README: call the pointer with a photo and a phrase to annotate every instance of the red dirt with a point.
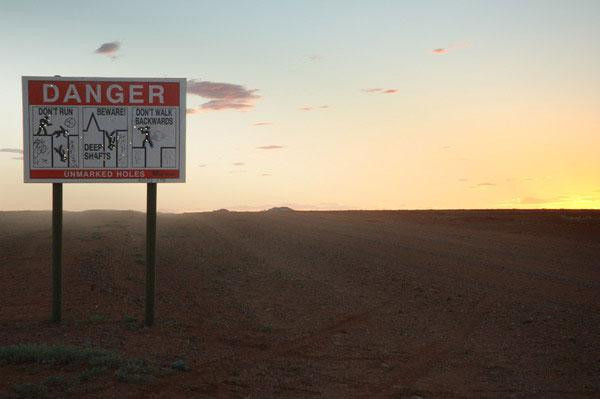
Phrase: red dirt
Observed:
(334, 304)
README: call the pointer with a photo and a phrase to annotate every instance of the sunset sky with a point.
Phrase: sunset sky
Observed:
(334, 104)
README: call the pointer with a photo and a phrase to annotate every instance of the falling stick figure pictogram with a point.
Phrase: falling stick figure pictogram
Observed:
(44, 122)
(145, 130)
(61, 132)
(62, 152)
(112, 139)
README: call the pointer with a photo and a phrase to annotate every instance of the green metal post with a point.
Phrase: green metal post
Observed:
(150, 252)
(57, 214)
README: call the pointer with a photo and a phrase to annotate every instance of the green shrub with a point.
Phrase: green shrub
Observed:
(55, 381)
(31, 391)
(266, 328)
(97, 318)
(131, 323)
(55, 355)
(92, 373)
(134, 371)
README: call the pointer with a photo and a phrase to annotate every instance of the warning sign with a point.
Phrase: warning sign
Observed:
(103, 129)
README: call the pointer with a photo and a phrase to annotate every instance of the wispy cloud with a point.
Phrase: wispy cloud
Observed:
(238, 163)
(483, 185)
(265, 174)
(380, 91)
(222, 95)
(315, 57)
(191, 111)
(269, 147)
(261, 123)
(17, 158)
(446, 50)
(109, 49)
(202, 165)
(12, 150)
(312, 108)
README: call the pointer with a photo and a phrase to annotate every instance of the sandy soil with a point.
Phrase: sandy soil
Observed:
(332, 304)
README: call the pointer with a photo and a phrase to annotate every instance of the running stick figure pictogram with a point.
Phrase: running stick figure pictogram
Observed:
(44, 122)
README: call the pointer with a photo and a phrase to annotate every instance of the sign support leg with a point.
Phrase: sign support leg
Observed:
(57, 215)
(150, 252)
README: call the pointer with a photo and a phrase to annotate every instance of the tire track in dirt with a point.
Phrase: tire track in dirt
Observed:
(411, 372)
(291, 346)
(425, 361)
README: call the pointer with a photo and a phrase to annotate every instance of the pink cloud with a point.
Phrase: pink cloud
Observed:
(109, 49)
(446, 50)
(485, 184)
(12, 150)
(312, 108)
(222, 95)
(261, 123)
(218, 105)
(269, 147)
(381, 91)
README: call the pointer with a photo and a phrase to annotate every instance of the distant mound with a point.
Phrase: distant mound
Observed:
(280, 209)
(222, 210)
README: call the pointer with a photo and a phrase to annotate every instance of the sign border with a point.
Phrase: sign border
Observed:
(26, 129)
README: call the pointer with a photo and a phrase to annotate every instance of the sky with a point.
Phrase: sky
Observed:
(333, 104)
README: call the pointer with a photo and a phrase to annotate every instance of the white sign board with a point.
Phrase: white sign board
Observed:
(103, 130)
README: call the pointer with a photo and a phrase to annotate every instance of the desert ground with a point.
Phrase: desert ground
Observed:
(281, 304)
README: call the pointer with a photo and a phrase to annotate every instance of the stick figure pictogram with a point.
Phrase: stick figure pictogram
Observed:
(112, 139)
(61, 132)
(44, 122)
(62, 152)
(145, 130)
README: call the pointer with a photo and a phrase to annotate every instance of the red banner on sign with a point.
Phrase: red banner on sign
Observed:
(104, 174)
(63, 92)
